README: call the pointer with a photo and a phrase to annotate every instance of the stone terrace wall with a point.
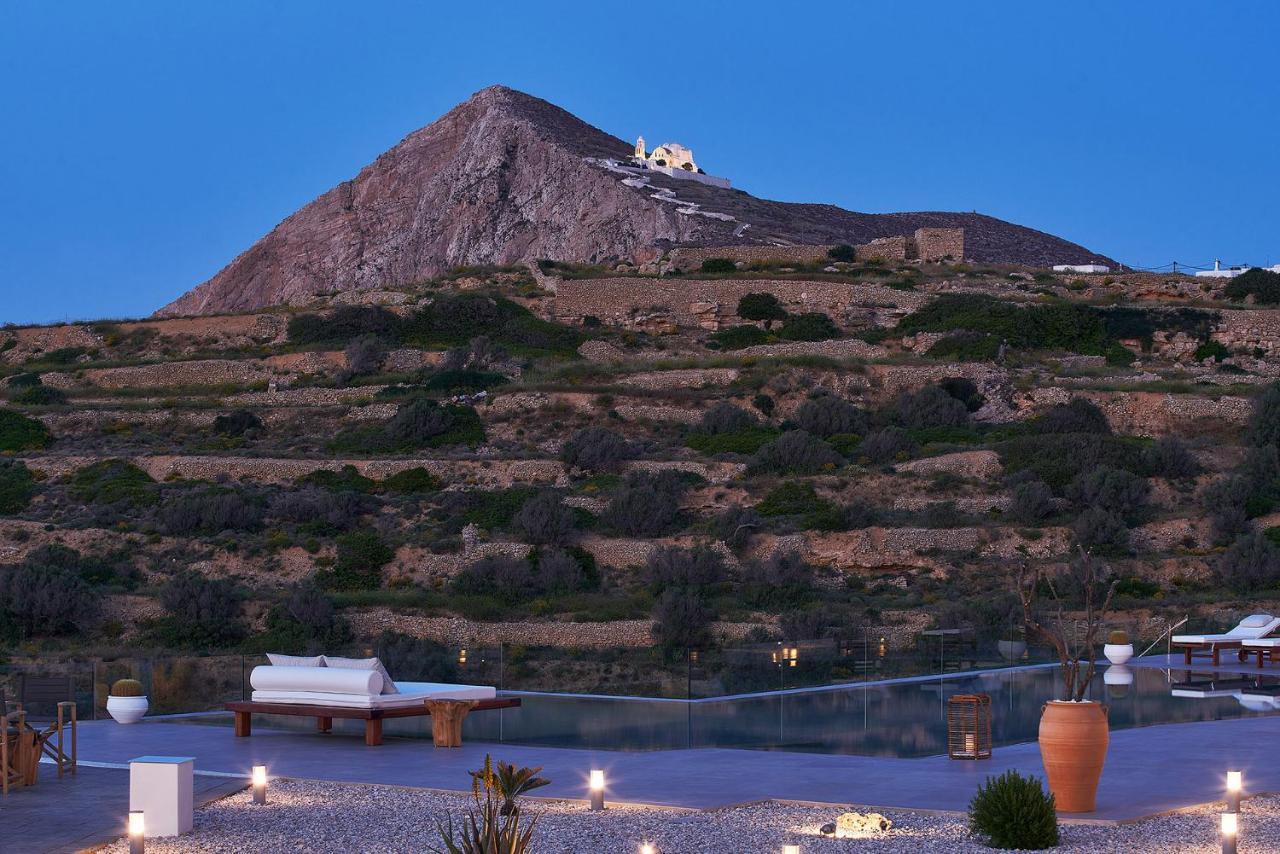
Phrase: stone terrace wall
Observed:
(709, 304)
(1246, 330)
(883, 249)
(205, 372)
(691, 258)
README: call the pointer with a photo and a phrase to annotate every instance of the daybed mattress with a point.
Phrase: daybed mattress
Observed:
(1209, 638)
(1262, 643)
(1202, 693)
(410, 694)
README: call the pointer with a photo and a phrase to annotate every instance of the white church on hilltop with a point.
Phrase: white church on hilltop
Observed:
(672, 158)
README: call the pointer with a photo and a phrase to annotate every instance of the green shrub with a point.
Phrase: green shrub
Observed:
(1264, 424)
(1014, 812)
(796, 452)
(1212, 350)
(843, 252)
(29, 379)
(239, 423)
(1262, 285)
(718, 265)
(890, 445)
(596, 449)
(346, 479)
(211, 510)
(1066, 326)
(966, 347)
(464, 380)
(791, 498)
(413, 659)
(813, 326)
(17, 486)
(43, 600)
(1058, 459)
(203, 612)
(39, 395)
(724, 417)
(454, 319)
(113, 481)
(361, 556)
(931, 407)
(63, 355)
(494, 510)
(1138, 588)
(414, 481)
(544, 520)
(1102, 532)
(764, 403)
(741, 442)
(682, 619)
(345, 324)
(1251, 565)
(761, 306)
(20, 433)
(826, 415)
(737, 337)
(423, 423)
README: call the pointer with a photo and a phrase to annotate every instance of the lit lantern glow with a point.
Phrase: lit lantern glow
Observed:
(137, 832)
(791, 849)
(596, 785)
(1235, 781)
(646, 848)
(259, 780)
(1230, 824)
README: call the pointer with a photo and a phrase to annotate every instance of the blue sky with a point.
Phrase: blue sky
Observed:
(144, 144)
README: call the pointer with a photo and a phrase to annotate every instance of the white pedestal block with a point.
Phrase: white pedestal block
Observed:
(161, 786)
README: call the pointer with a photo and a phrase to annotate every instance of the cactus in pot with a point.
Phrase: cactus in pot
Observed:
(127, 702)
(1118, 650)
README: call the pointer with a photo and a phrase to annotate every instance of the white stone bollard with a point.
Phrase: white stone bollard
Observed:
(161, 786)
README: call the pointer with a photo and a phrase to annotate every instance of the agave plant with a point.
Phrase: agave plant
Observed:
(511, 782)
(489, 828)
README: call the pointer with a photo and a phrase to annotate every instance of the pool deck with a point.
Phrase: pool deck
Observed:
(1149, 770)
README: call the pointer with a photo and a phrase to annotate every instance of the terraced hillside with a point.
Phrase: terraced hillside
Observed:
(810, 455)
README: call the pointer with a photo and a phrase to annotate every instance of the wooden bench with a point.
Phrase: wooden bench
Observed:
(324, 715)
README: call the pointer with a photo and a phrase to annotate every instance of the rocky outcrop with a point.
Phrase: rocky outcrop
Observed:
(505, 177)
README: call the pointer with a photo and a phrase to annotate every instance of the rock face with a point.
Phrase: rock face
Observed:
(506, 176)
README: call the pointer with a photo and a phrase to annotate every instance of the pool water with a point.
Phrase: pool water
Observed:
(899, 718)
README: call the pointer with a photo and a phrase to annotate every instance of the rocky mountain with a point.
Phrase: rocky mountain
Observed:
(506, 176)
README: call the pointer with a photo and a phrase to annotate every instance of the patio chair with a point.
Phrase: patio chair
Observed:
(1252, 627)
(11, 727)
(53, 730)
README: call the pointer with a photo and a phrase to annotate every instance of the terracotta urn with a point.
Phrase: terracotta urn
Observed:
(1073, 747)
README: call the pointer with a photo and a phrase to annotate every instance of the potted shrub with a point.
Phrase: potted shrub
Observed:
(1118, 649)
(1012, 646)
(126, 702)
(1073, 731)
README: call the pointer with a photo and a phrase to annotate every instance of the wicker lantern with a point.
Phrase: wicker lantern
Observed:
(969, 726)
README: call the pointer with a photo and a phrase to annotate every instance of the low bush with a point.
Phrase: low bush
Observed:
(1031, 503)
(1114, 490)
(782, 580)
(1059, 325)
(110, 482)
(305, 623)
(764, 403)
(321, 511)
(1262, 285)
(414, 481)
(345, 479)
(1014, 812)
(345, 324)
(1058, 459)
(738, 337)
(203, 612)
(791, 498)
(644, 507)
(17, 486)
(966, 347)
(718, 265)
(671, 566)
(736, 525)
(843, 252)
(1264, 423)
(827, 415)
(890, 445)
(358, 566)
(682, 619)
(20, 433)
(240, 423)
(544, 520)
(29, 379)
(964, 390)
(796, 452)
(743, 442)
(424, 423)
(39, 600)
(366, 354)
(1169, 457)
(1251, 565)
(507, 578)
(111, 569)
(1212, 350)
(724, 417)
(464, 380)
(207, 511)
(1078, 416)
(596, 449)
(1101, 532)
(931, 407)
(813, 326)
(761, 307)
(40, 395)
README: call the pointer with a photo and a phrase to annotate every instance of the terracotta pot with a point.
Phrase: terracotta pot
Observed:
(1073, 746)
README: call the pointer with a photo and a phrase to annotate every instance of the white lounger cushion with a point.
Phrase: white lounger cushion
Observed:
(1258, 626)
(295, 660)
(388, 687)
(408, 694)
(328, 680)
(1261, 643)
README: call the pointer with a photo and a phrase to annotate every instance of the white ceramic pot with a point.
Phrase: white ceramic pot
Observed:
(127, 710)
(1012, 650)
(1118, 653)
(1118, 675)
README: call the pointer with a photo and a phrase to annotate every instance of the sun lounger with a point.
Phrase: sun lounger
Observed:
(1253, 627)
(326, 693)
(1262, 648)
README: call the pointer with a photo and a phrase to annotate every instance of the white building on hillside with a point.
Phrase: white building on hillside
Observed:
(1081, 268)
(1221, 272)
(672, 158)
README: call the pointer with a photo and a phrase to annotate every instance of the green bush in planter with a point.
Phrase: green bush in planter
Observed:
(1013, 811)
(1118, 637)
(127, 688)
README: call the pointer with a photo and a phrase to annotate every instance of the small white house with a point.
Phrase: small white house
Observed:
(1081, 268)
(1221, 272)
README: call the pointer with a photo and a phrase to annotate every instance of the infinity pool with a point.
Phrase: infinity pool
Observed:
(898, 718)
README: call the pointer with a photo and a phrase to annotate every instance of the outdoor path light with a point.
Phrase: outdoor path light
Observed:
(1234, 784)
(597, 789)
(259, 784)
(1230, 826)
(137, 832)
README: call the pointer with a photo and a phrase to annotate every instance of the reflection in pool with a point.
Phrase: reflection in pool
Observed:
(901, 718)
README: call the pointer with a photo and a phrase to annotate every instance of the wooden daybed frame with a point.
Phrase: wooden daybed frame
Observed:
(1212, 649)
(324, 715)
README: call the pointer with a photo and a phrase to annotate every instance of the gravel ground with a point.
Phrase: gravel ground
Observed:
(310, 816)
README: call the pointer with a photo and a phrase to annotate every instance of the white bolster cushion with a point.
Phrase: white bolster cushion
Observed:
(323, 679)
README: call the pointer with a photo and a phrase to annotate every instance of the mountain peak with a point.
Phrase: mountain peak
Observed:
(506, 176)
